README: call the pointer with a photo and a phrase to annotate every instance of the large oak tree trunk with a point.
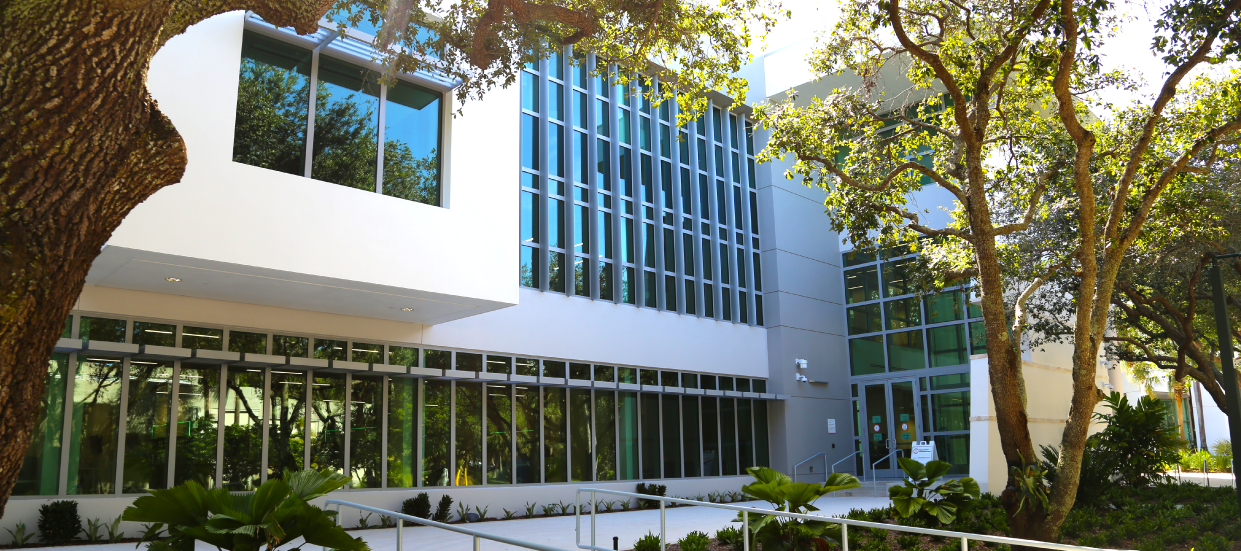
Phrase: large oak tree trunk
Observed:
(81, 144)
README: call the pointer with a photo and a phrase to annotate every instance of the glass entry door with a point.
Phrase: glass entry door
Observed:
(892, 420)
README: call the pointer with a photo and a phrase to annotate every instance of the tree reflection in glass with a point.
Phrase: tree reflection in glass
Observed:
(411, 163)
(499, 433)
(436, 434)
(286, 435)
(273, 99)
(243, 427)
(529, 461)
(469, 468)
(96, 417)
(198, 402)
(402, 431)
(366, 404)
(327, 422)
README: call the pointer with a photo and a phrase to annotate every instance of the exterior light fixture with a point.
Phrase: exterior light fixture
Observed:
(172, 279)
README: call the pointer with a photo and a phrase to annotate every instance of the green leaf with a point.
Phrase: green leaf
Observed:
(767, 475)
(936, 469)
(913, 469)
(839, 481)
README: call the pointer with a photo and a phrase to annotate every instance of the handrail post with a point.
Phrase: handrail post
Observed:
(577, 517)
(400, 534)
(965, 544)
(745, 531)
(478, 543)
(844, 537)
(663, 525)
(593, 506)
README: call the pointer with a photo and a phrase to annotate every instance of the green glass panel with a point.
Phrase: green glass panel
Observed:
(649, 377)
(948, 346)
(198, 408)
(944, 307)
(945, 382)
(728, 429)
(710, 437)
(146, 426)
(954, 449)
(400, 355)
(555, 454)
(978, 338)
(155, 334)
(326, 349)
(951, 411)
(437, 359)
(436, 432)
(709, 382)
(402, 431)
(499, 364)
(745, 433)
(411, 166)
(243, 426)
(726, 383)
(649, 404)
(627, 375)
(346, 144)
(327, 422)
(249, 343)
(68, 330)
(101, 329)
(499, 434)
(40, 470)
(864, 319)
(906, 351)
(902, 313)
(762, 444)
(366, 353)
(295, 347)
(672, 435)
(529, 460)
(365, 431)
(286, 435)
(670, 378)
(689, 380)
(273, 99)
(467, 361)
(96, 424)
(691, 435)
(579, 371)
(527, 367)
(896, 279)
(202, 338)
(605, 373)
(553, 369)
(627, 435)
(605, 435)
(468, 470)
(580, 444)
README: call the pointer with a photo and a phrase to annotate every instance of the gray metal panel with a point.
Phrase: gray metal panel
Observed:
(163, 352)
(68, 345)
(493, 376)
(426, 372)
(459, 374)
(578, 382)
(695, 391)
(111, 348)
(523, 378)
(260, 360)
(674, 390)
(213, 357)
(710, 392)
(307, 363)
(342, 365)
(551, 380)
(628, 386)
(388, 368)
(651, 388)
(604, 384)
(750, 394)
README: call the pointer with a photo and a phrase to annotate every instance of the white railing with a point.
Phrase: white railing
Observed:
(843, 522)
(477, 535)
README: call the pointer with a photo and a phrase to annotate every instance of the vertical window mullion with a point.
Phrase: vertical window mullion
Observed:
(219, 426)
(173, 402)
(383, 433)
(348, 403)
(379, 147)
(120, 432)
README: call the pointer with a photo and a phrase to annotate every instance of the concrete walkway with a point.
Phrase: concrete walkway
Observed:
(1213, 480)
(558, 531)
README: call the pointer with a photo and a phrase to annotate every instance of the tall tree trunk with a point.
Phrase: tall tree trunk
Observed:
(81, 144)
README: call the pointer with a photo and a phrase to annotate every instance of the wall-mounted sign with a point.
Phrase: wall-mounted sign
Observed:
(831, 426)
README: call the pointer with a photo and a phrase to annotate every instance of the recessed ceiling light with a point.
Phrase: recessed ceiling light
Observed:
(407, 309)
(172, 279)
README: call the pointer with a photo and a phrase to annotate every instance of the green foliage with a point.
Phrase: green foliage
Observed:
(1137, 442)
(463, 512)
(417, 506)
(1193, 461)
(93, 525)
(443, 509)
(59, 522)
(731, 536)
(625, 504)
(649, 542)
(1095, 476)
(482, 512)
(114, 530)
(276, 512)
(19, 535)
(530, 508)
(695, 541)
(386, 521)
(1031, 491)
(1221, 456)
(509, 515)
(784, 534)
(364, 521)
(645, 489)
(920, 497)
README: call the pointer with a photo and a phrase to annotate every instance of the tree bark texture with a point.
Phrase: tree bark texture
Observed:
(81, 144)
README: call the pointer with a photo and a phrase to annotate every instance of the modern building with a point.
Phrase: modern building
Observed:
(550, 288)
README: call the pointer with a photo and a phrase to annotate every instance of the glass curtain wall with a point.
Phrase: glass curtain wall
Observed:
(40, 471)
(365, 431)
(499, 434)
(96, 425)
(605, 435)
(243, 427)
(555, 436)
(468, 470)
(197, 430)
(402, 452)
(436, 432)
(581, 438)
(287, 426)
(649, 411)
(529, 454)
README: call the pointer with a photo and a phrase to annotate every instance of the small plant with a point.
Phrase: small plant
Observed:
(419, 506)
(152, 531)
(463, 512)
(735, 496)
(1221, 456)
(364, 521)
(530, 508)
(59, 522)
(20, 537)
(509, 515)
(92, 529)
(649, 542)
(1212, 542)
(651, 490)
(918, 498)
(567, 508)
(443, 509)
(695, 541)
(386, 521)
(714, 497)
(114, 533)
(699, 497)
(550, 509)
(625, 504)
(908, 541)
(482, 513)
(731, 536)
(778, 489)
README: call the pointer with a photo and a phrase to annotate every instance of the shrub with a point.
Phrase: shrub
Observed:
(443, 509)
(1095, 478)
(778, 489)
(418, 506)
(1193, 461)
(918, 498)
(649, 542)
(59, 522)
(731, 536)
(1221, 456)
(650, 490)
(1137, 441)
(1212, 542)
(695, 541)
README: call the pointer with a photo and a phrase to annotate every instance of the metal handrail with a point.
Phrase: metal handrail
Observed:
(809, 459)
(874, 476)
(478, 535)
(845, 459)
(843, 522)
